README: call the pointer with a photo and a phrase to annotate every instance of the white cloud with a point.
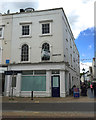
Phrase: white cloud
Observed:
(83, 55)
(85, 65)
(80, 13)
(90, 46)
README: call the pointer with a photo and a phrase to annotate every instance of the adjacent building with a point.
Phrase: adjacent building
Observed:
(39, 51)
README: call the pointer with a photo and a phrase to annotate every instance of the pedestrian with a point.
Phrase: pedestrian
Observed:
(84, 90)
(91, 86)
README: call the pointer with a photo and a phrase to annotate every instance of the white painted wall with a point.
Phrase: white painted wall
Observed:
(7, 37)
(36, 40)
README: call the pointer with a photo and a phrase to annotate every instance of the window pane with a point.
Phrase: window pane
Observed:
(55, 82)
(45, 28)
(45, 51)
(33, 83)
(25, 30)
(45, 47)
(25, 53)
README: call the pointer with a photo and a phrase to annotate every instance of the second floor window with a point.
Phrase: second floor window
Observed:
(45, 28)
(25, 30)
(25, 53)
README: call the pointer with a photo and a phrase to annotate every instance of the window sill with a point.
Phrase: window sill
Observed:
(24, 61)
(43, 35)
(44, 61)
(26, 36)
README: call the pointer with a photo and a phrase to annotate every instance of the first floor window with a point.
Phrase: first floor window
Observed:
(45, 51)
(25, 30)
(25, 53)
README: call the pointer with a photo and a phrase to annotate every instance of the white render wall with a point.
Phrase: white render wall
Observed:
(6, 23)
(35, 40)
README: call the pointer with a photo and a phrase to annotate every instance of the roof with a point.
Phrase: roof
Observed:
(33, 11)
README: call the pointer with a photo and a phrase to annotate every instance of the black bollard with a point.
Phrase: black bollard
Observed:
(31, 95)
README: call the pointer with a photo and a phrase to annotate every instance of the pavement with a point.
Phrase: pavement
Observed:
(48, 99)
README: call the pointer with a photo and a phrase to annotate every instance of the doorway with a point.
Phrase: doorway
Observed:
(55, 85)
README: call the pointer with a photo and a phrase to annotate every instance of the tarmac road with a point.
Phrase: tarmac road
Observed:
(54, 107)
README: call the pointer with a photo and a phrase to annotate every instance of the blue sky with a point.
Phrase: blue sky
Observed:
(85, 44)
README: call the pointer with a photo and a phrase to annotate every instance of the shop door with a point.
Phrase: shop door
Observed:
(55, 86)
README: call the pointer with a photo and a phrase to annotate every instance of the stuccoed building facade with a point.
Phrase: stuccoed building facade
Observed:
(43, 56)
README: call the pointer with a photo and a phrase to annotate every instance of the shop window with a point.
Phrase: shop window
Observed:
(33, 83)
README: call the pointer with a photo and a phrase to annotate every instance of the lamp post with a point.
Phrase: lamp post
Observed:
(83, 74)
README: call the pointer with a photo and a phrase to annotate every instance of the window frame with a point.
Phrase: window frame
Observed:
(50, 27)
(24, 32)
(22, 61)
(2, 32)
(45, 51)
(45, 28)
(30, 29)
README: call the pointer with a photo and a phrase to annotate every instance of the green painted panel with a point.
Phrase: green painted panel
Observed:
(33, 83)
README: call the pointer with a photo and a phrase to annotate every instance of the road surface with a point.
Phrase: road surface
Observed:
(60, 107)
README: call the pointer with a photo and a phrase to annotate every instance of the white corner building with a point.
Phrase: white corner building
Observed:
(40, 53)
